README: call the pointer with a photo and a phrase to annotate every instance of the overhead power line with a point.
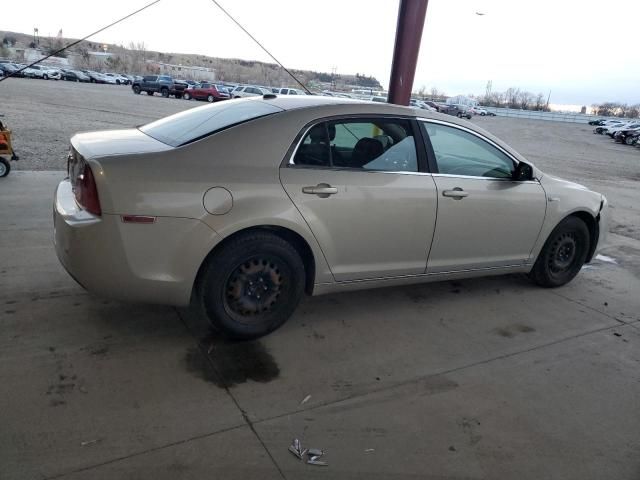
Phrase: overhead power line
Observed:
(81, 40)
(261, 46)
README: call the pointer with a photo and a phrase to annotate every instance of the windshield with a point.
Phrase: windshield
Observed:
(193, 124)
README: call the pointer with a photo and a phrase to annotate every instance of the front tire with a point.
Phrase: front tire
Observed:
(252, 285)
(186, 96)
(136, 89)
(210, 99)
(164, 92)
(5, 167)
(563, 254)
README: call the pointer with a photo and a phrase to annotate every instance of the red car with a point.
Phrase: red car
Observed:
(206, 91)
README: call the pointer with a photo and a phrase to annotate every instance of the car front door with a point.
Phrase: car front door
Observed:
(358, 184)
(486, 219)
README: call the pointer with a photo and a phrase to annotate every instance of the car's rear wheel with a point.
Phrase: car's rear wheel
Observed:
(186, 96)
(252, 285)
(164, 92)
(629, 140)
(563, 254)
(5, 167)
(210, 99)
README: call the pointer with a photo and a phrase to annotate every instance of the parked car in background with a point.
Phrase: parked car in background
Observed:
(118, 79)
(10, 69)
(478, 111)
(627, 135)
(162, 84)
(596, 122)
(249, 91)
(277, 196)
(95, 77)
(41, 71)
(206, 91)
(74, 75)
(611, 131)
(600, 129)
(290, 91)
(456, 110)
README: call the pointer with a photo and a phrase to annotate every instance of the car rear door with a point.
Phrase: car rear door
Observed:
(485, 218)
(361, 187)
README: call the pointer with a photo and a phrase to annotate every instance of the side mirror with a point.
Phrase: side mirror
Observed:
(523, 172)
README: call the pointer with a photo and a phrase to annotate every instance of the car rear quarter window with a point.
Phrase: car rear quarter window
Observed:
(190, 125)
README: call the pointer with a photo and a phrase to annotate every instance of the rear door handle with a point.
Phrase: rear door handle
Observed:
(457, 193)
(323, 190)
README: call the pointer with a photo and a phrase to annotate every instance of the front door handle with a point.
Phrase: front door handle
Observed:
(323, 190)
(457, 193)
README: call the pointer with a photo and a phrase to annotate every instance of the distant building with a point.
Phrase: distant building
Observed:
(183, 71)
(462, 100)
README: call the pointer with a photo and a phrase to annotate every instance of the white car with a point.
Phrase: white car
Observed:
(282, 195)
(290, 91)
(478, 111)
(118, 79)
(41, 71)
(249, 91)
(611, 131)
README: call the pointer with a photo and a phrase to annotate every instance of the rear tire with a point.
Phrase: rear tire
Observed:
(563, 254)
(210, 99)
(252, 285)
(186, 96)
(164, 92)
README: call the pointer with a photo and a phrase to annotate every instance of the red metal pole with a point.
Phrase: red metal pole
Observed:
(411, 16)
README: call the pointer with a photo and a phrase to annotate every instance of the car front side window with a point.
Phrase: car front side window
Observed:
(458, 152)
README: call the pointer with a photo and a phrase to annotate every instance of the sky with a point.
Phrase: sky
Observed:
(582, 51)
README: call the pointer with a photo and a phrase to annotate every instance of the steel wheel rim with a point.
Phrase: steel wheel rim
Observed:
(254, 288)
(3, 169)
(563, 254)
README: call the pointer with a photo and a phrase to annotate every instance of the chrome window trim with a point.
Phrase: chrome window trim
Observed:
(473, 177)
(290, 164)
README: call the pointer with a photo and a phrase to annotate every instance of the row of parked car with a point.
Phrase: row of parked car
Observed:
(47, 72)
(621, 130)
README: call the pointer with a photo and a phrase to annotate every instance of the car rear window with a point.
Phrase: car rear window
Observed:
(191, 125)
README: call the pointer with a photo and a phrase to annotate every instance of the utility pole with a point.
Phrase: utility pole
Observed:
(411, 16)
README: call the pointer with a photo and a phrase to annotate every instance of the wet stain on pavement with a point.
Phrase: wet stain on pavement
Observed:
(512, 330)
(227, 363)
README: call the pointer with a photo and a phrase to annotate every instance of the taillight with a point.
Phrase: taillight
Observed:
(86, 191)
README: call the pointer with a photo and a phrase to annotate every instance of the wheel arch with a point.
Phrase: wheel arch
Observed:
(594, 229)
(288, 235)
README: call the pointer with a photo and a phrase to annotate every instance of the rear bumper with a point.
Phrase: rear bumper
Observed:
(153, 263)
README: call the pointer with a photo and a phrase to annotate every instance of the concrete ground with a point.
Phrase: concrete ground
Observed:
(481, 379)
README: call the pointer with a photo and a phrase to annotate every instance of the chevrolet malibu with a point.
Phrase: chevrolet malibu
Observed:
(240, 208)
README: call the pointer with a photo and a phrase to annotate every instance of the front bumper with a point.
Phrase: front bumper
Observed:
(603, 226)
(150, 263)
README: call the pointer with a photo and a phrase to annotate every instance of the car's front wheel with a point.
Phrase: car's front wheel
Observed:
(252, 285)
(136, 89)
(210, 99)
(186, 96)
(563, 254)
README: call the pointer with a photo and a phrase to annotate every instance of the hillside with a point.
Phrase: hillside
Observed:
(136, 59)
